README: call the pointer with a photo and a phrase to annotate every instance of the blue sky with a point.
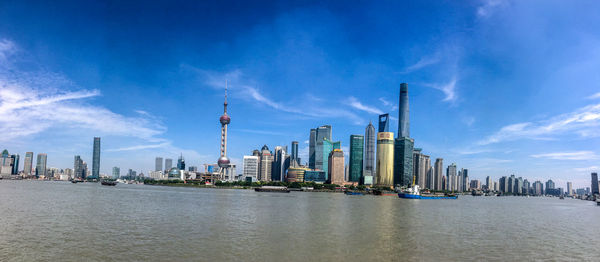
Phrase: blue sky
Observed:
(498, 87)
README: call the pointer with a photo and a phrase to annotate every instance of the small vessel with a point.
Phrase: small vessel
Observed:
(277, 189)
(414, 193)
(476, 192)
(353, 193)
(75, 181)
(561, 197)
(108, 183)
(378, 192)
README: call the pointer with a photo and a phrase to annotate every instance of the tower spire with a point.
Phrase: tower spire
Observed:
(225, 104)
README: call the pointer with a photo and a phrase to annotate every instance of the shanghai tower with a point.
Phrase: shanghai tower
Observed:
(403, 124)
(403, 144)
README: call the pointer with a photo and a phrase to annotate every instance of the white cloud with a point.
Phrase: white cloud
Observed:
(246, 88)
(138, 147)
(354, 103)
(449, 89)
(583, 122)
(587, 169)
(389, 104)
(7, 48)
(423, 62)
(488, 7)
(594, 96)
(578, 155)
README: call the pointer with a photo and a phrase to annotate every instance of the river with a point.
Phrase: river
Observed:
(61, 221)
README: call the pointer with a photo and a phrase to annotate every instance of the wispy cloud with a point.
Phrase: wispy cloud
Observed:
(35, 101)
(488, 7)
(247, 89)
(578, 155)
(388, 104)
(423, 62)
(138, 147)
(587, 169)
(261, 132)
(7, 48)
(583, 122)
(354, 103)
(594, 96)
(449, 89)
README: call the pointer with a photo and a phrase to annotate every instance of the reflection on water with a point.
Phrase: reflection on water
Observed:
(57, 221)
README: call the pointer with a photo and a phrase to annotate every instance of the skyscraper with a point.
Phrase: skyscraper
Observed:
(451, 178)
(28, 163)
(168, 163)
(336, 167)
(403, 121)
(595, 184)
(281, 163)
(326, 147)
(78, 167)
(465, 179)
(384, 123)
(116, 171)
(355, 163)
(294, 157)
(181, 163)
(403, 161)
(403, 145)
(251, 167)
(40, 165)
(266, 164)
(319, 156)
(489, 183)
(385, 159)
(549, 184)
(158, 164)
(569, 188)
(439, 173)
(312, 144)
(96, 158)
(369, 159)
(224, 162)
(15, 167)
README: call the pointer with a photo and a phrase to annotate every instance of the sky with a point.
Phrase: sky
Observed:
(499, 87)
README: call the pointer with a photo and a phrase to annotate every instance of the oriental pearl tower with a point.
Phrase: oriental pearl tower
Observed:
(224, 162)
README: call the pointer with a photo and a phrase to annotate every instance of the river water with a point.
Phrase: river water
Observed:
(61, 221)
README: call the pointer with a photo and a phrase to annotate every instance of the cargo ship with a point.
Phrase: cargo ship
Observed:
(277, 189)
(414, 193)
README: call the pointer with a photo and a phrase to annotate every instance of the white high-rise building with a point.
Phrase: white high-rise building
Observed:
(251, 167)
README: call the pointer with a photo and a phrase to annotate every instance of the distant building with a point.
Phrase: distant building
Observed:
(78, 171)
(385, 159)
(594, 187)
(489, 183)
(538, 188)
(569, 188)
(317, 156)
(403, 158)
(158, 164)
(96, 158)
(336, 167)
(193, 169)
(317, 176)
(369, 158)
(168, 163)
(355, 163)
(295, 161)
(439, 174)
(384, 123)
(181, 163)
(328, 146)
(421, 167)
(281, 162)
(28, 163)
(475, 184)
(116, 172)
(40, 167)
(451, 178)
(266, 164)
(549, 184)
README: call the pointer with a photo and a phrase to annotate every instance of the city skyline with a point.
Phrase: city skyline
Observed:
(495, 124)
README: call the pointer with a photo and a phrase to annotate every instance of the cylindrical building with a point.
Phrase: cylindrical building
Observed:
(385, 159)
